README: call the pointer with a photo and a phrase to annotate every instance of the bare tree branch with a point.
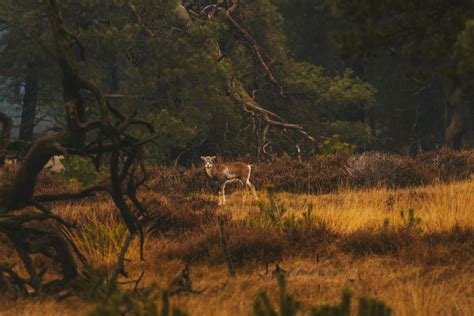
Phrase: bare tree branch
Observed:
(269, 117)
(90, 192)
(4, 136)
(252, 43)
(111, 135)
(238, 91)
(139, 18)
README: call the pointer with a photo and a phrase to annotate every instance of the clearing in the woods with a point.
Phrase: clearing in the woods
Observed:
(411, 248)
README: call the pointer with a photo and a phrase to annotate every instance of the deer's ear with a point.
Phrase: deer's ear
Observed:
(213, 157)
(203, 158)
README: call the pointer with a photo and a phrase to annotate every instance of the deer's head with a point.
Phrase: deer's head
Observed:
(209, 161)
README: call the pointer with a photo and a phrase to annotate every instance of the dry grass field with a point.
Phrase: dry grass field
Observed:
(419, 262)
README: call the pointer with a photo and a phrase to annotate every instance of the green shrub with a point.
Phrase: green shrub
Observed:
(410, 221)
(101, 240)
(80, 169)
(335, 146)
(274, 216)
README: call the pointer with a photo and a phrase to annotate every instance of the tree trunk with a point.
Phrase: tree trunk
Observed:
(455, 129)
(112, 132)
(114, 82)
(28, 113)
(427, 129)
(4, 136)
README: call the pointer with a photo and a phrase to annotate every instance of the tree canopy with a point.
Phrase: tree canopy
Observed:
(145, 54)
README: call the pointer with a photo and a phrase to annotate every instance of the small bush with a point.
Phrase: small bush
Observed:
(335, 146)
(101, 239)
(299, 230)
(273, 215)
(80, 169)
(378, 169)
(448, 165)
(410, 221)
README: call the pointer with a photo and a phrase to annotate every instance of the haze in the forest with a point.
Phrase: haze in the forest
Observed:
(235, 157)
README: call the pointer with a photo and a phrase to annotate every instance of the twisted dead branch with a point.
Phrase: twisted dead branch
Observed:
(110, 134)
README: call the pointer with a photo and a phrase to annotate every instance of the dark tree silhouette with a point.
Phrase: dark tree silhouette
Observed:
(107, 133)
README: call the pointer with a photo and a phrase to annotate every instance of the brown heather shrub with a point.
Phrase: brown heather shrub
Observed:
(448, 165)
(245, 244)
(51, 183)
(47, 182)
(327, 174)
(318, 238)
(252, 244)
(178, 179)
(179, 212)
(323, 174)
(7, 173)
(378, 169)
(377, 241)
(441, 247)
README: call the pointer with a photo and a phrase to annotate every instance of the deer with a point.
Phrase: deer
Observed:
(225, 173)
(55, 165)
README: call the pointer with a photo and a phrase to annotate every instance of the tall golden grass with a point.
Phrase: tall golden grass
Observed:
(366, 246)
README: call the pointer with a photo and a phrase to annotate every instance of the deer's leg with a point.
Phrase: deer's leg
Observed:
(252, 188)
(222, 194)
(223, 188)
(250, 185)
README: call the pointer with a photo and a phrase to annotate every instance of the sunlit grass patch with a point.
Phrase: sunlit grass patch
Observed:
(101, 238)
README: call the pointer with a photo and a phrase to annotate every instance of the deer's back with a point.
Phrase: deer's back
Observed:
(233, 170)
